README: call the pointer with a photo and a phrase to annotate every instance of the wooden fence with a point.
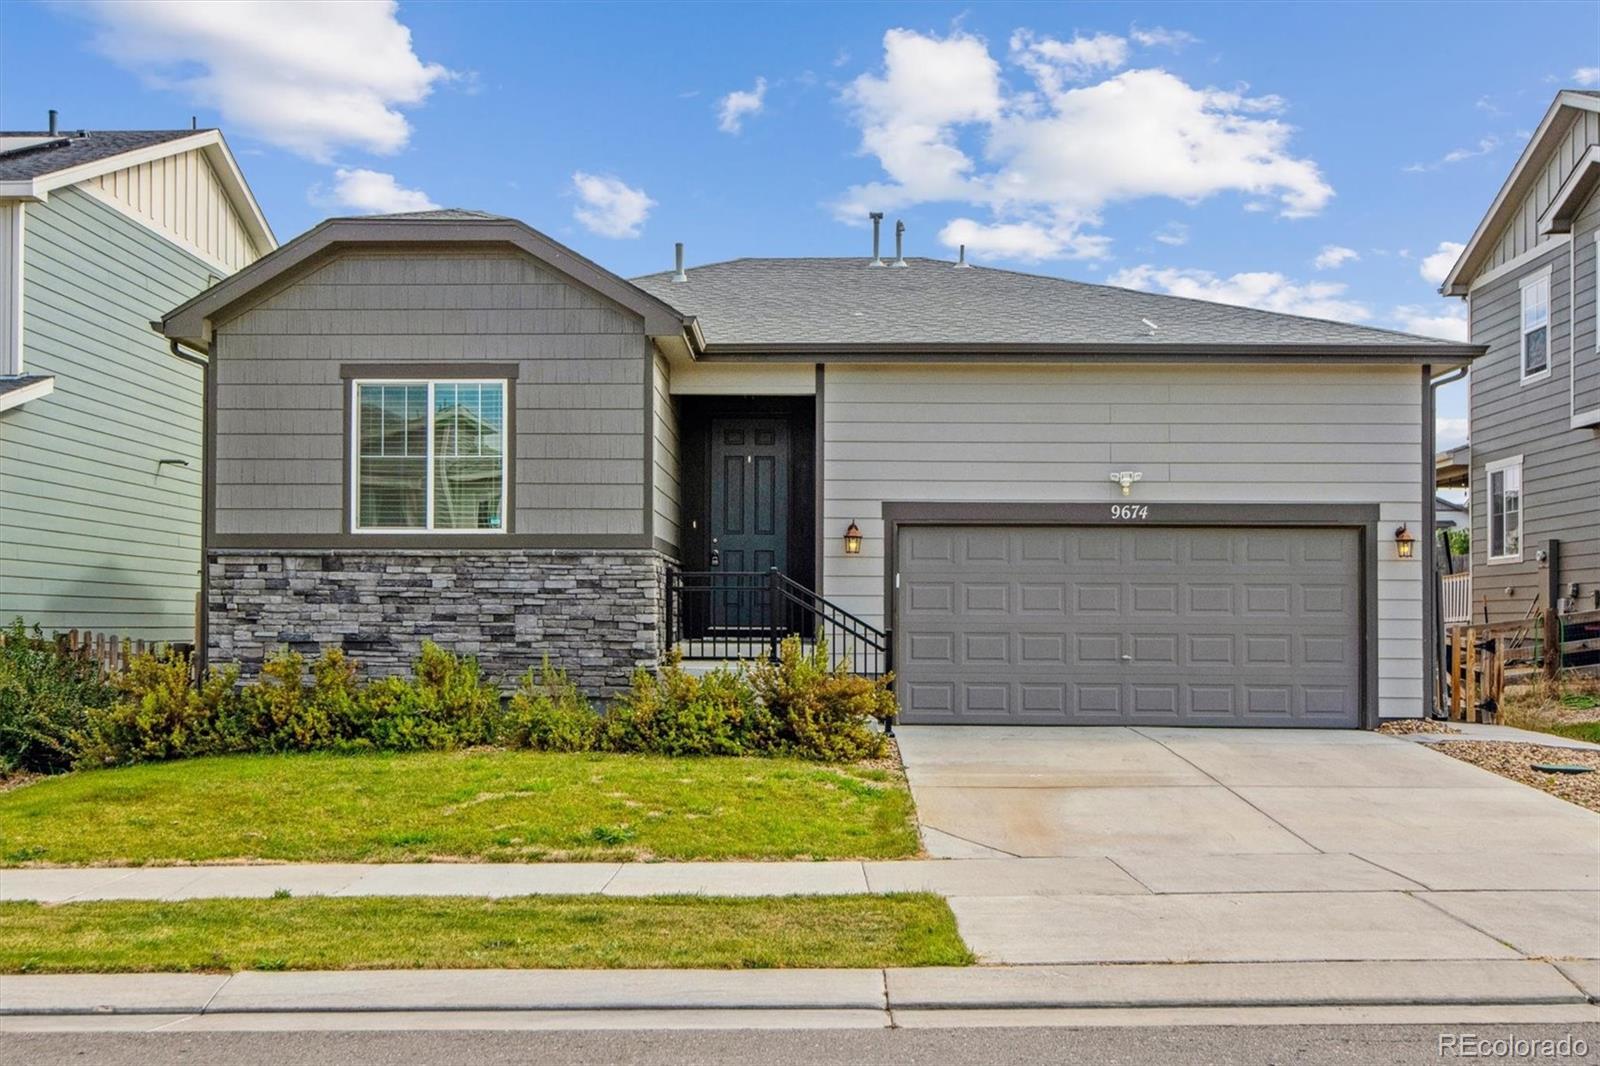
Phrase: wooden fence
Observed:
(1478, 658)
(106, 650)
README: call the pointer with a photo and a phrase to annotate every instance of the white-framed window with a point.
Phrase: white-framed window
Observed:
(1504, 490)
(1536, 326)
(428, 456)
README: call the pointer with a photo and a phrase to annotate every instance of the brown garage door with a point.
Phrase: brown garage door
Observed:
(1129, 625)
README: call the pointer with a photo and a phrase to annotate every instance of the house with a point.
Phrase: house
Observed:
(1054, 502)
(100, 232)
(1528, 276)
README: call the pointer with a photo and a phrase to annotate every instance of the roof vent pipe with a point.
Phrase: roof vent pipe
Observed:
(961, 260)
(52, 121)
(899, 242)
(877, 225)
(679, 275)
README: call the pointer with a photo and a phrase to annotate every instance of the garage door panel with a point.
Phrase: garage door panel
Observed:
(1147, 624)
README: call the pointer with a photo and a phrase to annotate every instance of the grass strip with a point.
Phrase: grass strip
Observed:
(436, 932)
(479, 805)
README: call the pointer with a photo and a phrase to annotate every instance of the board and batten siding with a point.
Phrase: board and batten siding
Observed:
(667, 491)
(98, 530)
(580, 394)
(1510, 417)
(181, 198)
(1212, 434)
(1521, 233)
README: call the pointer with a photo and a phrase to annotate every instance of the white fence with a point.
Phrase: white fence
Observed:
(1457, 598)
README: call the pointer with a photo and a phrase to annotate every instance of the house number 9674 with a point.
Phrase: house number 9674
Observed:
(1124, 512)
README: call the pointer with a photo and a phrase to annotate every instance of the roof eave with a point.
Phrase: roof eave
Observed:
(1555, 122)
(1441, 354)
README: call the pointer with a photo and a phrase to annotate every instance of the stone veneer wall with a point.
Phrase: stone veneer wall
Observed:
(596, 614)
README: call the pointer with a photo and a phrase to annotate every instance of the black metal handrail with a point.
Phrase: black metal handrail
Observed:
(746, 614)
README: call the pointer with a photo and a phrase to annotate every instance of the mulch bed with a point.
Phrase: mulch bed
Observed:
(1516, 761)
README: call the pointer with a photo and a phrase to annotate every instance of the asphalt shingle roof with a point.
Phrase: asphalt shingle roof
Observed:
(73, 147)
(439, 214)
(20, 381)
(845, 302)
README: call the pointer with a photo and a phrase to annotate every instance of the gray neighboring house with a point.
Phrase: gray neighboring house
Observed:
(1528, 275)
(101, 231)
(1061, 503)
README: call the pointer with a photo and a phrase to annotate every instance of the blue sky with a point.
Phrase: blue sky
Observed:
(1306, 158)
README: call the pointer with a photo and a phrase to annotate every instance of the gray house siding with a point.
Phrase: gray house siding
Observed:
(98, 528)
(1560, 465)
(1522, 233)
(579, 464)
(1586, 302)
(667, 492)
(1241, 434)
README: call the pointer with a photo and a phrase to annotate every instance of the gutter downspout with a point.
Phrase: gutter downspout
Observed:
(202, 621)
(1432, 628)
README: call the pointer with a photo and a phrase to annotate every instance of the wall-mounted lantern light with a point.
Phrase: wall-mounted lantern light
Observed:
(852, 540)
(1126, 478)
(1405, 545)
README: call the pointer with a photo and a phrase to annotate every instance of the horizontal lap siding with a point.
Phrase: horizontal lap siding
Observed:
(667, 492)
(1199, 435)
(1560, 465)
(580, 449)
(95, 534)
(1585, 340)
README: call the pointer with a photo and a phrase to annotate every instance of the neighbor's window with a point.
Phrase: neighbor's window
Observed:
(1536, 326)
(1505, 508)
(430, 455)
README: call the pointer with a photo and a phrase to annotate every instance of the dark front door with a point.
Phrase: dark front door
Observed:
(749, 512)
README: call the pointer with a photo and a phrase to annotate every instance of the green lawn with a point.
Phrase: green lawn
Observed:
(483, 805)
(564, 932)
(1589, 731)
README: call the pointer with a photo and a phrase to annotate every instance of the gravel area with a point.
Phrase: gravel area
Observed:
(1516, 762)
(1402, 726)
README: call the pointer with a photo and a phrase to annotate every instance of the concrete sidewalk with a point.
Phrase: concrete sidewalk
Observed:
(1216, 985)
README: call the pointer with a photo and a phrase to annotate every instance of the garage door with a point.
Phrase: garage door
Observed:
(1129, 625)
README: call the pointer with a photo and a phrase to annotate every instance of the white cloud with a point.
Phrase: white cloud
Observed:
(1436, 267)
(1173, 233)
(739, 105)
(608, 206)
(311, 78)
(1448, 322)
(1045, 162)
(372, 192)
(1586, 76)
(1161, 37)
(1484, 146)
(1267, 290)
(1025, 241)
(1450, 432)
(1334, 256)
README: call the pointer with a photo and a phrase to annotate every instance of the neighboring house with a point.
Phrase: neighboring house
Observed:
(1450, 514)
(1529, 278)
(100, 447)
(976, 426)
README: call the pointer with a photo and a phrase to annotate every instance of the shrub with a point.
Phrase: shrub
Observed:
(821, 711)
(445, 704)
(160, 713)
(548, 713)
(675, 713)
(282, 713)
(45, 696)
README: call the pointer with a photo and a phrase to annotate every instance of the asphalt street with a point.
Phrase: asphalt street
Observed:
(1334, 1045)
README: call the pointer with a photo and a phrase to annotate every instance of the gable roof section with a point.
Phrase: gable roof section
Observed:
(191, 322)
(31, 171)
(1568, 105)
(839, 306)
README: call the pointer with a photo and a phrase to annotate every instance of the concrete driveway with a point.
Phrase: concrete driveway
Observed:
(1159, 844)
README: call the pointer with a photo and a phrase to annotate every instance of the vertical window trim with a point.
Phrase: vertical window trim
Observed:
(429, 528)
(1595, 274)
(1532, 280)
(1489, 470)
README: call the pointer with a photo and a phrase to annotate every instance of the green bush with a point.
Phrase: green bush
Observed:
(445, 704)
(160, 713)
(821, 711)
(672, 712)
(549, 713)
(45, 696)
(282, 713)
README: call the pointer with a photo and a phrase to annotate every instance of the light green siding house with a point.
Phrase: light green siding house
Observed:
(100, 424)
